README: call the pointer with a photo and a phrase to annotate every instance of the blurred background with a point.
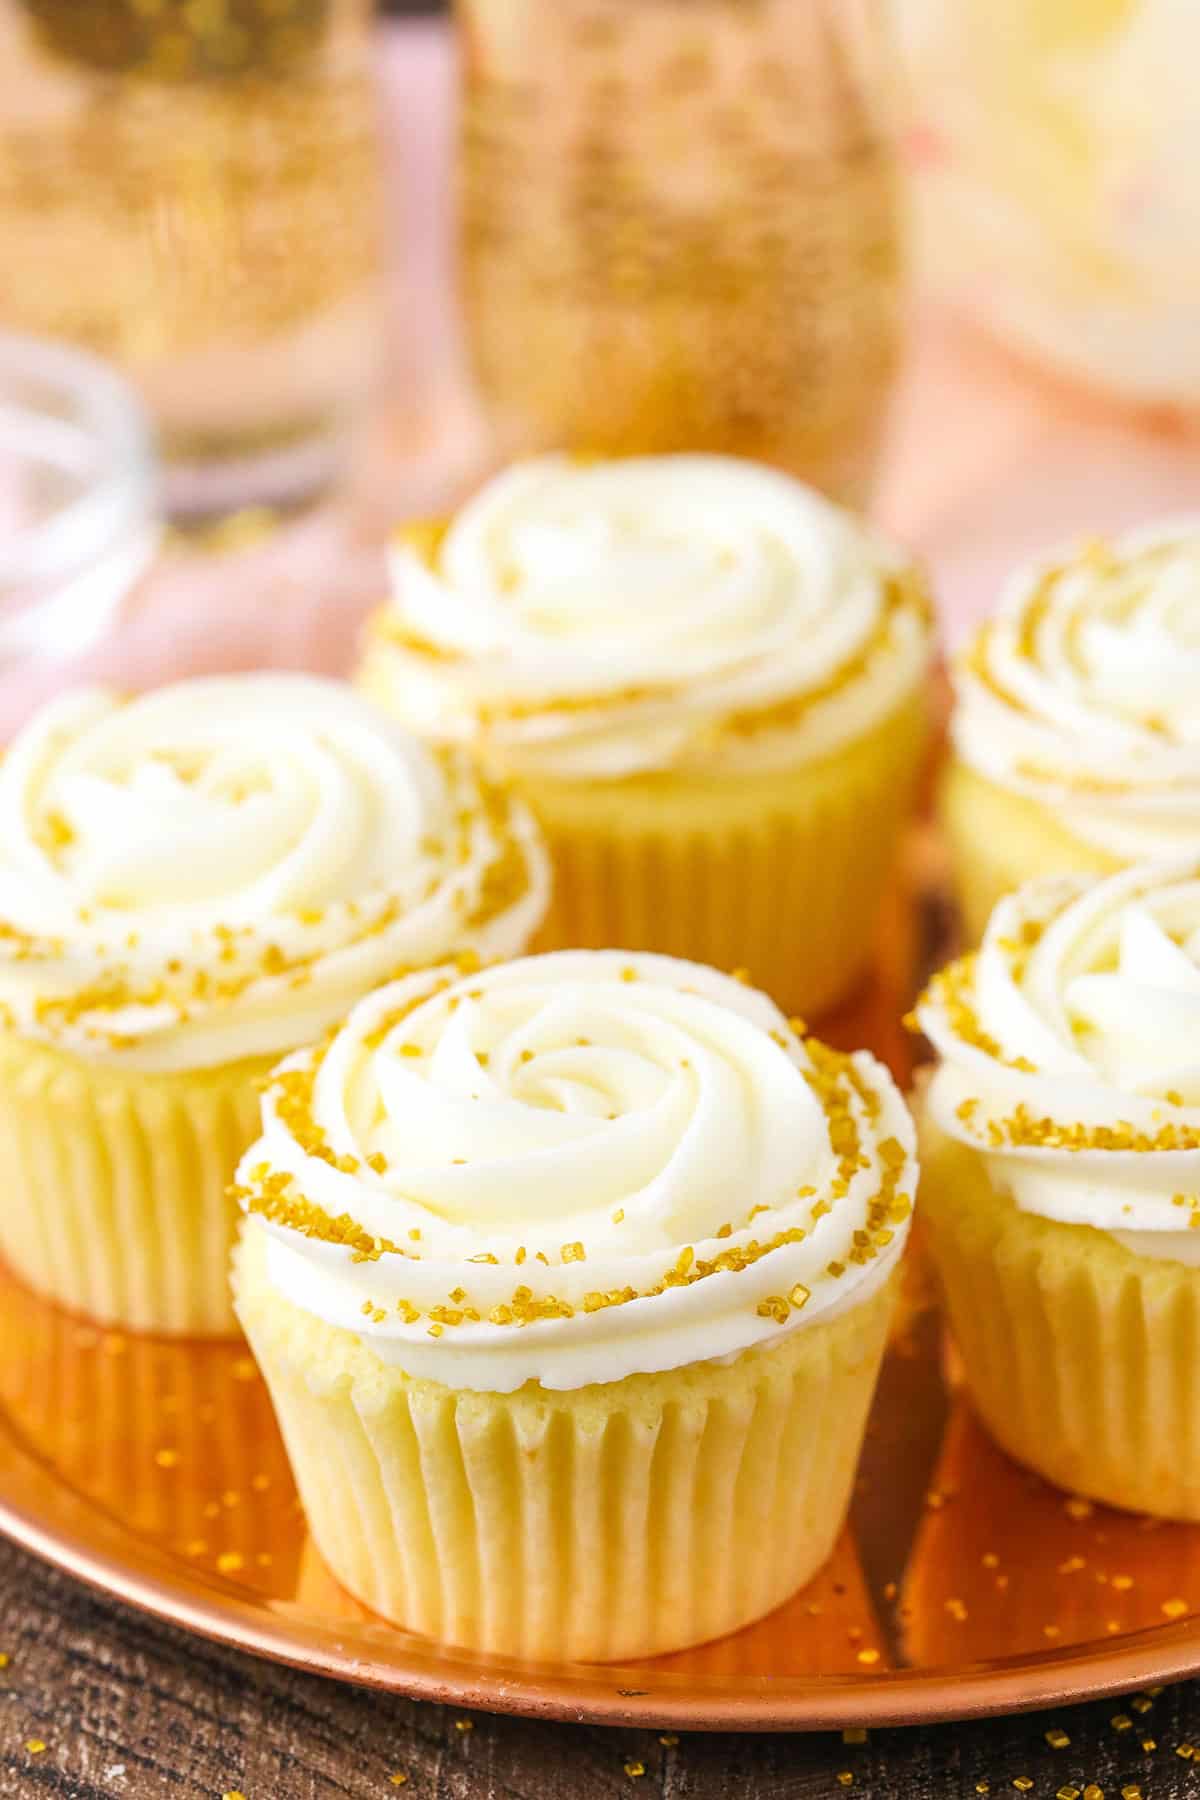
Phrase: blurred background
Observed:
(279, 274)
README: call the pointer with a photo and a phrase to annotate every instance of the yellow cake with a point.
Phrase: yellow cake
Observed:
(1061, 1184)
(708, 682)
(191, 884)
(1076, 725)
(570, 1281)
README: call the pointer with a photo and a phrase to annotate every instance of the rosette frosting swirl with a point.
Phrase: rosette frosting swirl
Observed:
(219, 869)
(1070, 1053)
(1083, 693)
(602, 619)
(574, 1168)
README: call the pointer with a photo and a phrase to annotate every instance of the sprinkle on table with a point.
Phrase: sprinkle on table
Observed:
(633, 1768)
(399, 1778)
(233, 1794)
(1067, 1793)
(1022, 1783)
(1175, 1609)
(5, 1659)
(868, 1657)
(1121, 1722)
(1057, 1738)
(1093, 1792)
(845, 1778)
(669, 1739)
(35, 1746)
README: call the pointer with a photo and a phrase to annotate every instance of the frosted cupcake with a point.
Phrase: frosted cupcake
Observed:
(191, 884)
(1077, 725)
(570, 1281)
(708, 682)
(1062, 1180)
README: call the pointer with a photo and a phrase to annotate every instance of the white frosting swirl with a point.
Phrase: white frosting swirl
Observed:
(574, 1168)
(219, 869)
(599, 620)
(1084, 692)
(1070, 1053)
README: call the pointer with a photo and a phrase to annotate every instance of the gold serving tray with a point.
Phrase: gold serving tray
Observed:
(962, 1585)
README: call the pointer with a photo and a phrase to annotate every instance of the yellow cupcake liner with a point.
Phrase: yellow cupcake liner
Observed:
(1082, 1359)
(613, 1521)
(780, 874)
(999, 840)
(114, 1185)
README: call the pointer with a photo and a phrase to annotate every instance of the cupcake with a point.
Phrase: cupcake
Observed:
(1077, 725)
(1061, 1190)
(570, 1281)
(708, 682)
(191, 884)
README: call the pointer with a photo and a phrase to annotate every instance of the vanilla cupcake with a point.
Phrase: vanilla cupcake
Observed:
(1077, 724)
(191, 884)
(1062, 1180)
(570, 1281)
(708, 682)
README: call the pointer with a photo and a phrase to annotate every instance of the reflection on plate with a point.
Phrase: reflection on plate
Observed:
(961, 1584)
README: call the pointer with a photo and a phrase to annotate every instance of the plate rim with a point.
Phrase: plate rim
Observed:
(209, 1607)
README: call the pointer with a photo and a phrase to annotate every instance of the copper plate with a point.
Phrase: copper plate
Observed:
(961, 1586)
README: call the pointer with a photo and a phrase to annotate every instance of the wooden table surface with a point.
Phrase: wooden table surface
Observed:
(987, 463)
(127, 1707)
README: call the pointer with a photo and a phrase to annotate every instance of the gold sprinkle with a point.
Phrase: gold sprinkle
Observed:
(167, 1459)
(868, 1657)
(1078, 1508)
(464, 1724)
(669, 1739)
(633, 1768)
(798, 1296)
(1057, 1738)
(982, 1787)
(1121, 1722)
(5, 1659)
(1186, 1751)
(574, 1252)
(399, 1778)
(35, 1746)
(1022, 1783)
(1149, 1744)
(1142, 1703)
(956, 1609)
(1067, 1793)
(230, 1561)
(1175, 1609)
(1093, 1792)
(618, 1217)
(1131, 1791)
(845, 1778)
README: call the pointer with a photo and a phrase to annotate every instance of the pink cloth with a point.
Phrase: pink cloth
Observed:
(988, 460)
